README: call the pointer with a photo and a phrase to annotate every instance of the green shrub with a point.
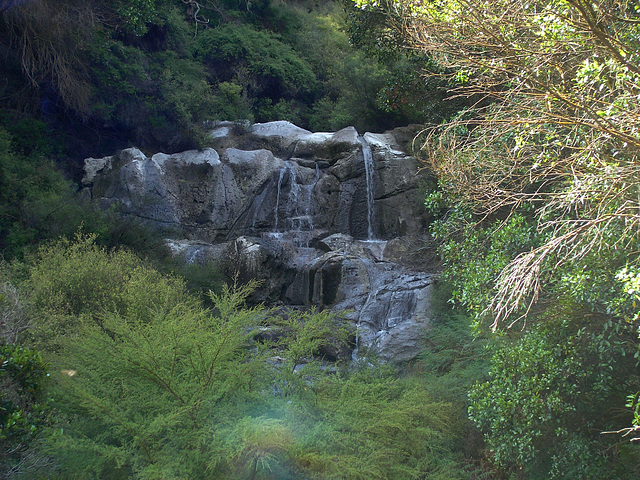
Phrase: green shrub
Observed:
(230, 102)
(258, 62)
(147, 383)
(372, 425)
(79, 279)
(153, 392)
(24, 410)
(137, 14)
(552, 390)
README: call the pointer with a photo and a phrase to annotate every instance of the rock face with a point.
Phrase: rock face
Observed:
(318, 217)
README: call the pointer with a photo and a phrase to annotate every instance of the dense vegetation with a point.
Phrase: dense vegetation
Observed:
(538, 202)
(531, 113)
(146, 382)
(103, 75)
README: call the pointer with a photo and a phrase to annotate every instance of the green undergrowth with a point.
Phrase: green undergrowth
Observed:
(146, 381)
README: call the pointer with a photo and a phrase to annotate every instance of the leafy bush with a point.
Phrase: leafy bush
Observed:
(163, 383)
(24, 410)
(475, 255)
(79, 279)
(550, 389)
(231, 102)
(147, 383)
(381, 427)
(257, 61)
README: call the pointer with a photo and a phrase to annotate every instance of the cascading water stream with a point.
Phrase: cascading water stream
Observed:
(280, 178)
(368, 169)
(309, 193)
(294, 201)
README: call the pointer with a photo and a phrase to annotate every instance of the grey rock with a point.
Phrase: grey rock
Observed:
(191, 157)
(92, 166)
(327, 147)
(292, 209)
(337, 241)
(279, 136)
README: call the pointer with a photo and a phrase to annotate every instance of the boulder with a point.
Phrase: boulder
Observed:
(279, 136)
(327, 147)
(335, 242)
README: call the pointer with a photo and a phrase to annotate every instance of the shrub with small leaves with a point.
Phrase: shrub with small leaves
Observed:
(24, 410)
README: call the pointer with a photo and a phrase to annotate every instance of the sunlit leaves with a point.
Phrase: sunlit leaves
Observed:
(553, 139)
(148, 383)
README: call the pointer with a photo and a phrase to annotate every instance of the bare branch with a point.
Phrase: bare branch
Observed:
(626, 432)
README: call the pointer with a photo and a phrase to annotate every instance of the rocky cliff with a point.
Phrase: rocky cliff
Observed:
(332, 220)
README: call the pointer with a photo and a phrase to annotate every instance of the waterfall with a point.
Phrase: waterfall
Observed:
(305, 249)
(308, 189)
(280, 178)
(293, 201)
(296, 203)
(368, 169)
(190, 257)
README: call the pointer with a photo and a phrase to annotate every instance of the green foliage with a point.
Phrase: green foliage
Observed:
(307, 334)
(475, 256)
(415, 88)
(28, 137)
(161, 96)
(199, 278)
(76, 279)
(259, 63)
(538, 227)
(347, 79)
(147, 383)
(370, 29)
(231, 102)
(349, 89)
(455, 355)
(145, 72)
(24, 410)
(37, 203)
(137, 14)
(551, 390)
(156, 384)
(32, 193)
(138, 358)
(381, 427)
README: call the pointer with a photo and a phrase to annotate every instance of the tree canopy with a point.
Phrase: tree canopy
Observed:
(539, 208)
(554, 126)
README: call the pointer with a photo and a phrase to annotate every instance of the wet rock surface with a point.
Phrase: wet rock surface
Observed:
(331, 220)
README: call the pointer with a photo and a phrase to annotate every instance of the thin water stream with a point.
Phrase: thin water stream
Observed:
(368, 168)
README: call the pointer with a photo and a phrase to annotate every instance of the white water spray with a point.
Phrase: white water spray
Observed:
(282, 172)
(368, 170)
